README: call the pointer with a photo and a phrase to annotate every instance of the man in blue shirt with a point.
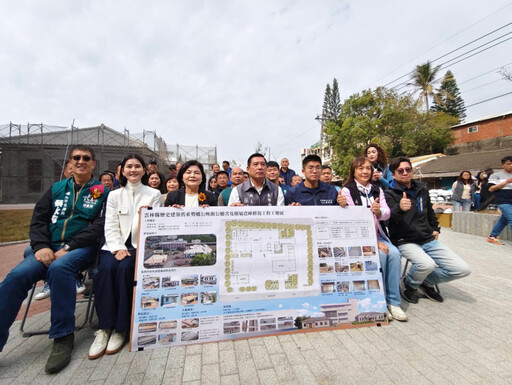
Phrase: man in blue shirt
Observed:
(313, 192)
(285, 172)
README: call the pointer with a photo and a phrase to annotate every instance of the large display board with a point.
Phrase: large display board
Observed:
(218, 273)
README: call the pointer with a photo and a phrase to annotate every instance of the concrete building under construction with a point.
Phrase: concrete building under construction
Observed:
(32, 156)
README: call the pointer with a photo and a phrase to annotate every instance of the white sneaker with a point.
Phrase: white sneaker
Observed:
(99, 345)
(80, 288)
(389, 316)
(397, 313)
(115, 343)
(44, 293)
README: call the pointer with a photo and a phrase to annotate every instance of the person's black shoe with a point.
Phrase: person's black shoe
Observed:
(61, 354)
(431, 293)
(409, 293)
(87, 292)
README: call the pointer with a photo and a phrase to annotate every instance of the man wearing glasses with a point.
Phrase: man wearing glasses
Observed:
(414, 230)
(66, 225)
(313, 192)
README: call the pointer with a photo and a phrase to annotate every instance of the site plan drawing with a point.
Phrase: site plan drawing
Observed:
(268, 259)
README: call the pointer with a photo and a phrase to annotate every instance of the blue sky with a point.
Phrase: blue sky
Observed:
(229, 73)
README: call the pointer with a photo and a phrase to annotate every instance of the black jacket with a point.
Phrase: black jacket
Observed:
(415, 225)
(178, 198)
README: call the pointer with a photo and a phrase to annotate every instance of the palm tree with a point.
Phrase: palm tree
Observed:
(423, 79)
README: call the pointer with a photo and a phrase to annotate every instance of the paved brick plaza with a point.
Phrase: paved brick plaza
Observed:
(465, 340)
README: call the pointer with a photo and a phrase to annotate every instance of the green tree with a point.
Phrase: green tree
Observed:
(423, 79)
(448, 98)
(331, 107)
(390, 120)
(203, 260)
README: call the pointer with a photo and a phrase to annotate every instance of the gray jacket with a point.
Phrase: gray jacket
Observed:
(249, 195)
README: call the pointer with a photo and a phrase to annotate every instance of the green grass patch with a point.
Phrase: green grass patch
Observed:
(15, 225)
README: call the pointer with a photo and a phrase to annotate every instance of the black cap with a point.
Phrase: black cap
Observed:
(152, 161)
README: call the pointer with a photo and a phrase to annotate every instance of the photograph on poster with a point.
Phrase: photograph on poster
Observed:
(170, 282)
(231, 327)
(146, 340)
(167, 325)
(189, 323)
(356, 266)
(359, 285)
(341, 268)
(149, 283)
(164, 251)
(326, 268)
(285, 322)
(339, 252)
(208, 279)
(267, 327)
(167, 300)
(147, 302)
(324, 252)
(368, 251)
(249, 326)
(166, 339)
(208, 297)
(373, 284)
(371, 266)
(355, 251)
(327, 287)
(189, 280)
(190, 335)
(343, 286)
(189, 298)
(147, 327)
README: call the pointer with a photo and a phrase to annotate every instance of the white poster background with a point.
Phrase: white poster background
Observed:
(262, 270)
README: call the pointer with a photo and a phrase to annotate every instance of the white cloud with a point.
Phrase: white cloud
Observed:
(225, 73)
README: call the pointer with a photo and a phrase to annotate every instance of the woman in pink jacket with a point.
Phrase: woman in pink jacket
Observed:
(361, 191)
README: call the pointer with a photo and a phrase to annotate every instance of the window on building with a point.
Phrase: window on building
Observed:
(34, 175)
(472, 129)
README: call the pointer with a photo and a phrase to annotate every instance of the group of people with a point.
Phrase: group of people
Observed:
(80, 215)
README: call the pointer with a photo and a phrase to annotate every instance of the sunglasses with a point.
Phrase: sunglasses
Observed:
(77, 158)
(402, 171)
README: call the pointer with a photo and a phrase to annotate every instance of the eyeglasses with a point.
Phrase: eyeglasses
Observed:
(402, 171)
(77, 158)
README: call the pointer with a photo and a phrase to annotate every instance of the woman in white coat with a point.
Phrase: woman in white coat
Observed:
(113, 283)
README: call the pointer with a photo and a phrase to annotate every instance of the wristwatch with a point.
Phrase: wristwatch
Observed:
(66, 248)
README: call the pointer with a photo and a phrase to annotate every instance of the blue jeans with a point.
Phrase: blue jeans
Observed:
(391, 265)
(506, 217)
(465, 203)
(478, 200)
(432, 263)
(60, 275)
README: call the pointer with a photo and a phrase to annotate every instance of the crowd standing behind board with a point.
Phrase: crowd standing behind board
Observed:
(405, 223)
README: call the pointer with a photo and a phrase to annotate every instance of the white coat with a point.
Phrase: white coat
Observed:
(122, 215)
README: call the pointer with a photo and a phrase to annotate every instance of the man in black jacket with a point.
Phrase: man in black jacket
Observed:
(414, 230)
(66, 225)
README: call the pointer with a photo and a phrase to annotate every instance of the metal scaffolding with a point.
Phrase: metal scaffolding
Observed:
(32, 156)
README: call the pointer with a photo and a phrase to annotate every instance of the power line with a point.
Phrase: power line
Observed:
(438, 44)
(486, 100)
(483, 74)
(465, 58)
(455, 50)
(480, 86)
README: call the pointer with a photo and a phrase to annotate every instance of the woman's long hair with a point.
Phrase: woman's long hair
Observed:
(122, 178)
(382, 159)
(186, 166)
(358, 162)
(464, 181)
